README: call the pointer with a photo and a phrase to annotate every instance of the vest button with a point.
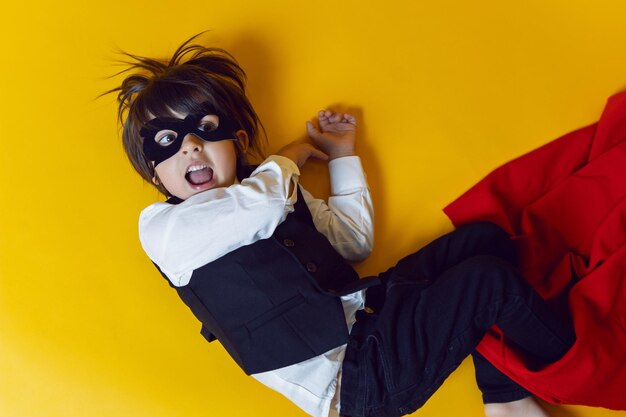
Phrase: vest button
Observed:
(368, 310)
(311, 267)
(289, 243)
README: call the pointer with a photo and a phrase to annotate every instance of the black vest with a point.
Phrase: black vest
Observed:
(275, 302)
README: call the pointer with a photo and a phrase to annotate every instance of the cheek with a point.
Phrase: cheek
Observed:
(160, 171)
(165, 173)
(227, 156)
(226, 160)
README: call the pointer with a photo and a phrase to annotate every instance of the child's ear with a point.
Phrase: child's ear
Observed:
(155, 178)
(243, 141)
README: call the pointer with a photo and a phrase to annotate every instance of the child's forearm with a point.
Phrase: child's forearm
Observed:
(300, 152)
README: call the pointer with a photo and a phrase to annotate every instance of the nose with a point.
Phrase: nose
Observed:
(191, 143)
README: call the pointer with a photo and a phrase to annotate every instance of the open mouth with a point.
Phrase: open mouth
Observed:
(199, 174)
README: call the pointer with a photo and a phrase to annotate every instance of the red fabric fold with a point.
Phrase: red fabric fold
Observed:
(564, 204)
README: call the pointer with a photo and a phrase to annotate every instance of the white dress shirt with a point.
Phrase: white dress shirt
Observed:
(181, 238)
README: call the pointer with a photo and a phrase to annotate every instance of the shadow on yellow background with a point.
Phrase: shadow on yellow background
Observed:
(444, 92)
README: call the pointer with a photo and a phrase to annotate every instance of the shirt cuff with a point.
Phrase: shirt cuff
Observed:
(346, 175)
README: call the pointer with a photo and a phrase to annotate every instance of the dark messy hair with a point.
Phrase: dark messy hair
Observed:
(193, 76)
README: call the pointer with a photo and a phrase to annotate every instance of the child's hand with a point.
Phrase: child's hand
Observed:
(336, 135)
(300, 151)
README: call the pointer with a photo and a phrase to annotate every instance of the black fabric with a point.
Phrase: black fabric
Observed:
(494, 385)
(434, 308)
(275, 302)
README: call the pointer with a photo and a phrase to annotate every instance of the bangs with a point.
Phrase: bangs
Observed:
(166, 97)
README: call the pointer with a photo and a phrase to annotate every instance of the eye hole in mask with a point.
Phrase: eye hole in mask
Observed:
(163, 136)
(167, 136)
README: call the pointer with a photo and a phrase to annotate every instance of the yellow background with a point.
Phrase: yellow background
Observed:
(444, 92)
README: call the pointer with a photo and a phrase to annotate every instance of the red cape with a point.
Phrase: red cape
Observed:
(564, 205)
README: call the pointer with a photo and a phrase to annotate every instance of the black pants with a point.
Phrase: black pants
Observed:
(432, 310)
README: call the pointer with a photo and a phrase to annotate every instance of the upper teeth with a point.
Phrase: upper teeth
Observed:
(196, 168)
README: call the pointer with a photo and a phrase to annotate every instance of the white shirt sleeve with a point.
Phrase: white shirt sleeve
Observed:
(183, 237)
(347, 219)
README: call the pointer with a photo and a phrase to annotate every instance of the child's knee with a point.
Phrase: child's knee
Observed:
(488, 271)
(493, 239)
(486, 228)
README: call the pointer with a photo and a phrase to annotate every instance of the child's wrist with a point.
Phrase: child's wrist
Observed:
(340, 154)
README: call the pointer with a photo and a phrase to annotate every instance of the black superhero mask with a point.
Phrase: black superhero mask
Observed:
(163, 136)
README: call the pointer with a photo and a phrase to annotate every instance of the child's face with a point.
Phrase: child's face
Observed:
(199, 165)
